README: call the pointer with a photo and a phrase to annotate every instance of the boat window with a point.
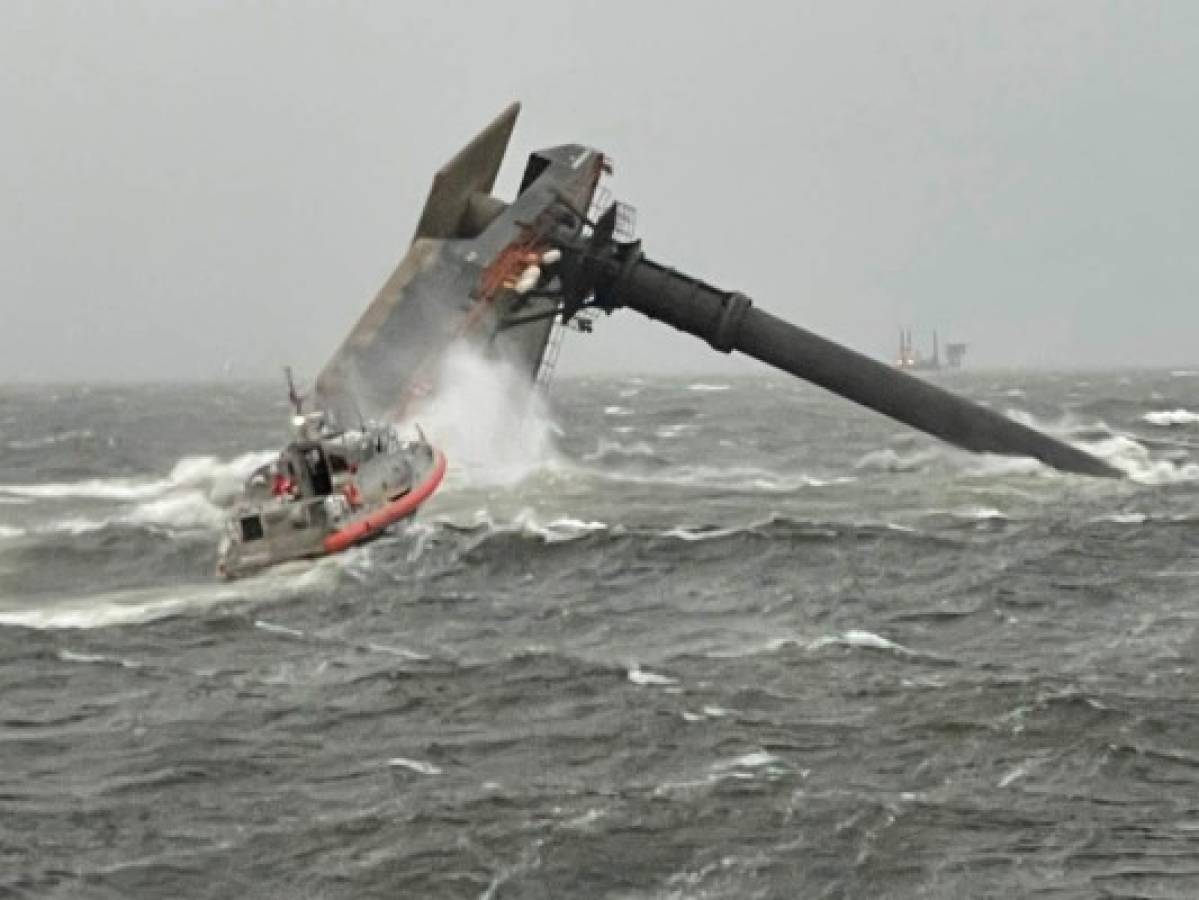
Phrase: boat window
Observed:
(251, 528)
(318, 471)
(337, 463)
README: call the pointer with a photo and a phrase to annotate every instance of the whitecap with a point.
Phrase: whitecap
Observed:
(606, 449)
(50, 440)
(583, 821)
(988, 465)
(10, 531)
(1133, 458)
(413, 765)
(673, 431)
(1167, 418)
(859, 639)
(91, 489)
(1128, 518)
(401, 652)
(888, 460)
(566, 529)
(640, 676)
(979, 513)
(72, 656)
(1016, 773)
(617, 411)
(731, 478)
(263, 625)
(754, 760)
(184, 510)
(700, 534)
(75, 525)
(704, 387)
(562, 528)
(140, 605)
(215, 475)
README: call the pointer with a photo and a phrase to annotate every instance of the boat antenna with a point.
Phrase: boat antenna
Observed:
(358, 413)
(297, 399)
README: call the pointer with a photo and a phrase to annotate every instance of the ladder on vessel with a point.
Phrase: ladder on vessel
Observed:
(549, 360)
(626, 228)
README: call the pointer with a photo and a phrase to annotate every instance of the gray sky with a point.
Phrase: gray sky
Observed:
(188, 184)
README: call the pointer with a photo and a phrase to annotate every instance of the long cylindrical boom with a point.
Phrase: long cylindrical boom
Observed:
(728, 321)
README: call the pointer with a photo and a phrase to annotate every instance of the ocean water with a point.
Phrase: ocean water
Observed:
(664, 638)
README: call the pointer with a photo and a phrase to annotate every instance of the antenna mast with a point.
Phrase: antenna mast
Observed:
(297, 399)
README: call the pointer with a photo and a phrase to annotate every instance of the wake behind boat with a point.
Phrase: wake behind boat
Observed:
(328, 490)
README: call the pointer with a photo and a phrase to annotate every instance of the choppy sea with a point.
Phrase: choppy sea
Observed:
(669, 638)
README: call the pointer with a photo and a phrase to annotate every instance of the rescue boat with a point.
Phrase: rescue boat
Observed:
(327, 490)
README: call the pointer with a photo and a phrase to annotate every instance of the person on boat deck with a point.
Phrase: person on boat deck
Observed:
(283, 485)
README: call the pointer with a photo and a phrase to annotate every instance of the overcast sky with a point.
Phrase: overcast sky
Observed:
(190, 188)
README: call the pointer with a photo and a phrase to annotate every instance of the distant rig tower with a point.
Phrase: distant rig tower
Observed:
(910, 360)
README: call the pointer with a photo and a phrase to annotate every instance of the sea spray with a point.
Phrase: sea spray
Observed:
(488, 419)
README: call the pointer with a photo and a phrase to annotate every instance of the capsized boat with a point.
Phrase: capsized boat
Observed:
(328, 490)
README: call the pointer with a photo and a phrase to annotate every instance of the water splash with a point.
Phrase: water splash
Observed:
(489, 420)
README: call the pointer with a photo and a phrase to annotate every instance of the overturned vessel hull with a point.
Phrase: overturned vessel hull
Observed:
(458, 280)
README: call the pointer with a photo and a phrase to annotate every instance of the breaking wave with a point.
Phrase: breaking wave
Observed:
(979, 514)
(50, 440)
(192, 497)
(182, 511)
(1119, 449)
(1167, 418)
(1134, 459)
(218, 479)
(527, 524)
(1126, 518)
(735, 479)
(889, 460)
(92, 489)
(140, 605)
(612, 451)
(858, 638)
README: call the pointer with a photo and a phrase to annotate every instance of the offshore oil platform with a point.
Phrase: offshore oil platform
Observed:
(504, 275)
(909, 358)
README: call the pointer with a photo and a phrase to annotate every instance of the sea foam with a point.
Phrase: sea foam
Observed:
(1167, 418)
